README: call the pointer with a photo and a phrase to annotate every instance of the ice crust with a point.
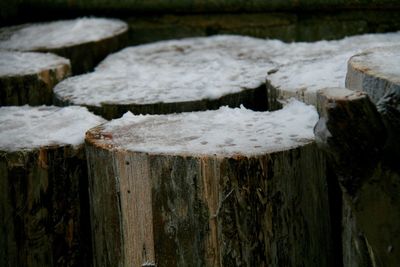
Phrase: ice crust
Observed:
(63, 33)
(27, 128)
(13, 63)
(224, 132)
(211, 67)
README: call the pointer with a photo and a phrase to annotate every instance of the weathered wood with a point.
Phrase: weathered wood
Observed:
(44, 211)
(377, 73)
(157, 200)
(85, 41)
(353, 133)
(29, 78)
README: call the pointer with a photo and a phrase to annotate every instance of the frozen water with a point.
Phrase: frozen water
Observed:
(225, 132)
(26, 128)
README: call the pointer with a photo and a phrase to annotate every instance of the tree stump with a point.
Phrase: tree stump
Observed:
(85, 41)
(175, 76)
(29, 78)
(375, 71)
(353, 132)
(305, 68)
(230, 187)
(44, 212)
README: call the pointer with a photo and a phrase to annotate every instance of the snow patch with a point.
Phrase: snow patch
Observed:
(27, 128)
(63, 33)
(225, 131)
(194, 69)
(13, 63)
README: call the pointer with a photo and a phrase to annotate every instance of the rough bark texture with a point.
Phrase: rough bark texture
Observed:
(44, 212)
(33, 89)
(255, 99)
(165, 210)
(353, 133)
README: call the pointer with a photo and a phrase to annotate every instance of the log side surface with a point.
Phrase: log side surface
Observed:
(85, 41)
(44, 212)
(29, 78)
(231, 187)
(355, 135)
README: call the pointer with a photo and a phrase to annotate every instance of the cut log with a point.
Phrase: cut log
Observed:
(353, 133)
(174, 76)
(305, 68)
(230, 187)
(85, 41)
(377, 72)
(44, 212)
(29, 78)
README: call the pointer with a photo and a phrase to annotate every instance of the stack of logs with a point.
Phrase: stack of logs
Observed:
(178, 207)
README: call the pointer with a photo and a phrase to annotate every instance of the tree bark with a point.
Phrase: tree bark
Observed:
(32, 89)
(187, 210)
(44, 212)
(353, 133)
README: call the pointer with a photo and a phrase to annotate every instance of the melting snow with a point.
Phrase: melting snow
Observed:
(225, 131)
(63, 33)
(24, 63)
(26, 128)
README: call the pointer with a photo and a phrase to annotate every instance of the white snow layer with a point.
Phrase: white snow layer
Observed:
(58, 34)
(211, 67)
(27, 128)
(383, 62)
(13, 63)
(225, 132)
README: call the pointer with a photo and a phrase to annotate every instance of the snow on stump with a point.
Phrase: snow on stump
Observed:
(357, 140)
(85, 41)
(227, 187)
(44, 213)
(376, 72)
(174, 76)
(29, 78)
(305, 68)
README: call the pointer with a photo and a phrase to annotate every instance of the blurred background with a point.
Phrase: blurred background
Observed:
(287, 20)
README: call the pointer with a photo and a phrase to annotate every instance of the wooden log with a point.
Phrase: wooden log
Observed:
(175, 76)
(353, 133)
(84, 41)
(230, 187)
(305, 68)
(377, 73)
(44, 212)
(29, 78)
